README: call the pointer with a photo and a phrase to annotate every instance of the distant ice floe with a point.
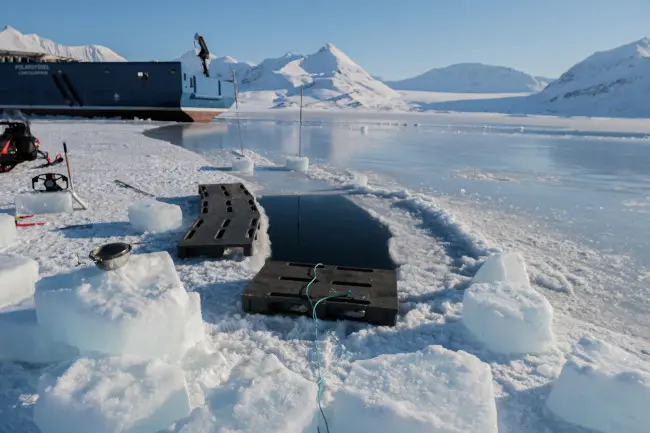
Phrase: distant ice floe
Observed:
(484, 175)
(639, 206)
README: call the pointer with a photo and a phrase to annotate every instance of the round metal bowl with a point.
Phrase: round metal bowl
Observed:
(111, 256)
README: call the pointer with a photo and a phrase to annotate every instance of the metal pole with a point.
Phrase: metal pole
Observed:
(73, 193)
(241, 141)
(300, 126)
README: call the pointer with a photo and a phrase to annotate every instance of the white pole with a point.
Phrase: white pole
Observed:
(300, 126)
(241, 141)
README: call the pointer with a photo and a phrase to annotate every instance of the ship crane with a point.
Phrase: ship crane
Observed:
(204, 54)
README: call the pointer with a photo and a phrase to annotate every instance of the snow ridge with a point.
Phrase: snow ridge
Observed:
(607, 83)
(12, 39)
(472, 78)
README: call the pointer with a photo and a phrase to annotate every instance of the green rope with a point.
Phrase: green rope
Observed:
(320, 378)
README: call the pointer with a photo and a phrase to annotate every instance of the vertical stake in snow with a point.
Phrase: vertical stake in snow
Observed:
(242, 163)
(299, 163)
(241, 141)
(300, 125)
(72, 191)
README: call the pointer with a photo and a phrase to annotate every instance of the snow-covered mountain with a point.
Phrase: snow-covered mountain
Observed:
(472, 78)
(608, 83)
(12, 39)
(330, 78)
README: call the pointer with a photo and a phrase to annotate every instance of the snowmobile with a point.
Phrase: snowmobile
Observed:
(18, 145)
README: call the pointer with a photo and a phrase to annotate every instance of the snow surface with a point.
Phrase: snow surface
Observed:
(430, 390)
(298, 163)
(8, 231)
(154, 216)
(140, 309)
(438, 243)
(260, 394)
(417, 99)
(471, 78)
(111, 395)
(604, 388)
(13, 40)
(38, 203)
(360, 180)
(504, 312)
(18, 275)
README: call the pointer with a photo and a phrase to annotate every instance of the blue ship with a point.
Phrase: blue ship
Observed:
(40, 84)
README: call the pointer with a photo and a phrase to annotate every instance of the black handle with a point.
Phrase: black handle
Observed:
(65, 147)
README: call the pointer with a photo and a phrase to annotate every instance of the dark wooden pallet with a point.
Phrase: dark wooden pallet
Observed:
(211, 235)
(279, 288)
(228, 218)
(237, 205)
(223, 191)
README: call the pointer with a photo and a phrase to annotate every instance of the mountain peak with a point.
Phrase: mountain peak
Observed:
(605, 84)
(643, 47)
(332, 49)
(334, 54)
(328, 47)
(13, 40)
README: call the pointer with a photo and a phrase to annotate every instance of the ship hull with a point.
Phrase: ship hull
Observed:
(161, 91)
(181, 114)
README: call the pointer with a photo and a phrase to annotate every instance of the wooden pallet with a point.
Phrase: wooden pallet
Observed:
(229, 218)
(223, 191)
(280, 288)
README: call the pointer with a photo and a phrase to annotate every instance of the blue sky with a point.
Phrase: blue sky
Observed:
(392, 39)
